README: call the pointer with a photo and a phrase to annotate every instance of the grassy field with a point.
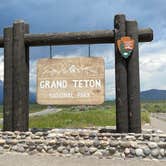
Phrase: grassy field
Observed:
(87, 116)
(75, 119)
(154, 106)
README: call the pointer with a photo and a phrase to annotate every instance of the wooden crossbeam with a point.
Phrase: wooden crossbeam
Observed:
(70, 38)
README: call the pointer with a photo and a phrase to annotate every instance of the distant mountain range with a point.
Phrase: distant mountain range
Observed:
(152, 94)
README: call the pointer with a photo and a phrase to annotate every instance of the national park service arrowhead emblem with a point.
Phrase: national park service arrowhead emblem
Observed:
(125, 46)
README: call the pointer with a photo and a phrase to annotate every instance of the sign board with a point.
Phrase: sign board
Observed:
(70, 81)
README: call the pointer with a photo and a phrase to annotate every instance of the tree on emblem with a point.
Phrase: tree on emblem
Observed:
(125, 46)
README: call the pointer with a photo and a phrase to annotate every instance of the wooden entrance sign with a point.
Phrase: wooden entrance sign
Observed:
(79, 86)
(70, 81)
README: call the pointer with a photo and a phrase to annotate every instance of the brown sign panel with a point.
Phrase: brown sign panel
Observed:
(70, 81)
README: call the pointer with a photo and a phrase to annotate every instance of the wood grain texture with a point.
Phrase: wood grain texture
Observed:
(69, 38)
(134, 81)
(121, 78)
(70, 69)
(20, 76)
(8, 80)
(26, 30)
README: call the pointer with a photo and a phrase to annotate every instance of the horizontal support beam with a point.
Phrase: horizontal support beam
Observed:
(70, 38)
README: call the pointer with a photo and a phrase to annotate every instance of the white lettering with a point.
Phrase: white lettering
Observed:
(53, 84)
(87, 83)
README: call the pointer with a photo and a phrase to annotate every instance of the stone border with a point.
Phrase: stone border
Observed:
(85, 142)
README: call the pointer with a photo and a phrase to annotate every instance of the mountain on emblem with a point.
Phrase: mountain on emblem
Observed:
(125, 46)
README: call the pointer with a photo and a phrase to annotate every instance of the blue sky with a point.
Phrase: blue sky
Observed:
(85, 15)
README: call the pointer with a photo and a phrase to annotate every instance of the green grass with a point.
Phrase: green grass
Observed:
(154, 106)
(36, 108)
(102, 115)
(145, 117)
(70, 119)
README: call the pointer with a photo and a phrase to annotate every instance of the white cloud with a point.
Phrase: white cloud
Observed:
(153, 65)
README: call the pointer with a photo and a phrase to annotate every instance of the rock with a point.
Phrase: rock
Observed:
(32, 147)
(72, 151)
(93, 134)
(141, 138)
(78, 154)
(133, 144)
(104, 143)
(123, 155)
(117, 155)
(39, 148)
(81, 143)
(152, 145)
(34, 137)
(20, 148)
(38, 141)
(162, 145)
(83, 150)
(52, 142)
(105, 152)
(11, 141)
(96, 143)
(127, 151)
(159, 157)
(51, 135)
(92, 150)
(50, 151)
(6, 146)
(14, 148)
(76, 149)
(125, 144)
(130, 138)
(159, 131)
(73, 143)
(65, 151)
(155, 152)
(139, 152)
(74, 133)
(1, 150)
(60, 149)
(148, 131)
(113, 143)
(2, 141)
(39, 133)
(156, 139)
(112, 150)
(132, 151)
(162, 152)
(146, 151)
(98, 154)
(89, 143)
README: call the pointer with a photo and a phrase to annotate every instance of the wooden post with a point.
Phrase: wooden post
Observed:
(27, 79)
(121, 78)
(8, 80)
(20, 79)
(134, 81)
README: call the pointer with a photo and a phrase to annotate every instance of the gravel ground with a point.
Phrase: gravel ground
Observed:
(36, 160)
(158, 121)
